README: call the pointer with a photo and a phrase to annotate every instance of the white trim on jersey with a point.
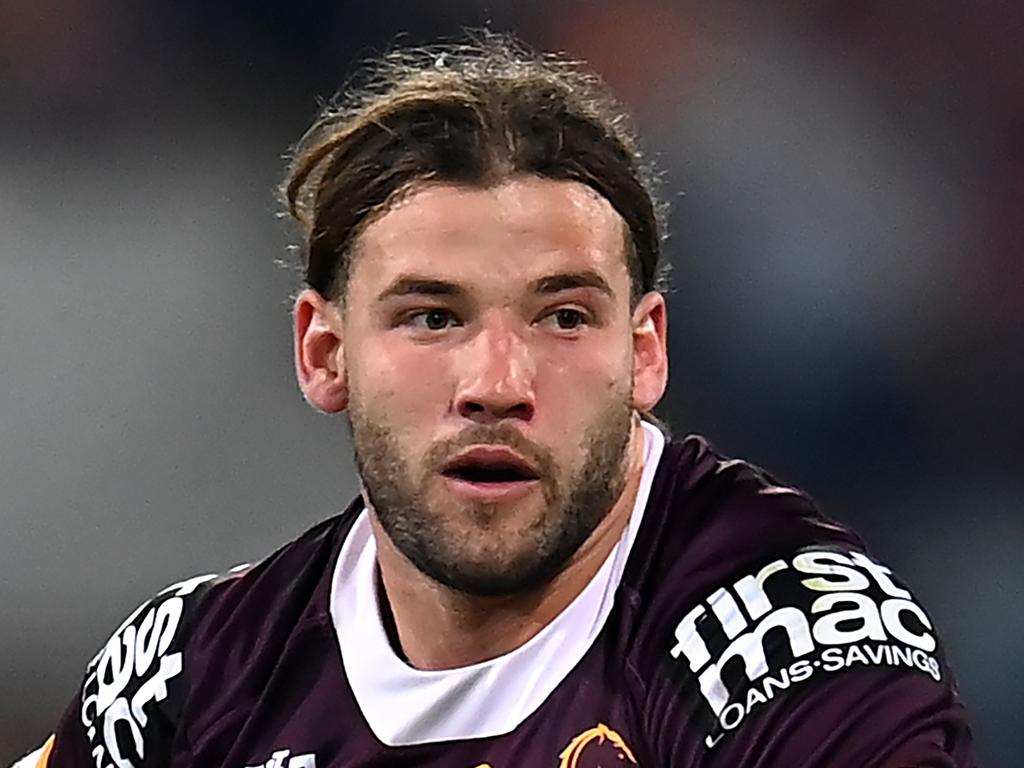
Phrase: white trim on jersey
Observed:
(32, 760)
(406, 706)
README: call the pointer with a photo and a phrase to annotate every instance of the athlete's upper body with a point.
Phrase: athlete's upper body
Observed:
(532, 574)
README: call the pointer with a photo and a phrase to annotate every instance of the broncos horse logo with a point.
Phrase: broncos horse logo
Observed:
(598, 747)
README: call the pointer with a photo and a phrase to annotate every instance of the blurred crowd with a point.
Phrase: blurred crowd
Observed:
(847, 191)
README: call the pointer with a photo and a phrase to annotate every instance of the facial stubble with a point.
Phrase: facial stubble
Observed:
(435, 540)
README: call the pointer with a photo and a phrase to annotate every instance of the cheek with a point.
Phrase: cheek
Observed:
(404, 382)
(573, 373)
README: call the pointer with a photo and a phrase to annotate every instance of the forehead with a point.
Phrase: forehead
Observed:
(518, 229)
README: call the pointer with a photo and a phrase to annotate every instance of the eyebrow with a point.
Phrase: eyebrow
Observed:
(565, 281)
(412, 285)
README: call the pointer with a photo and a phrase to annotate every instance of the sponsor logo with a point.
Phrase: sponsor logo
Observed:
(819, 612)
(596, 747)
(281, 759)
(130, 675)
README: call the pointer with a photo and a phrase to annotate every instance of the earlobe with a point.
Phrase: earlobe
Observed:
(650, 351)
(319, 358)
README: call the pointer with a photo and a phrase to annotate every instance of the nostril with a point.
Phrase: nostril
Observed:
(469, 407)
(486, 408)
(521, 411)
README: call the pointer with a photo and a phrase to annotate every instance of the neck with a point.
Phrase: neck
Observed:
(440, 628)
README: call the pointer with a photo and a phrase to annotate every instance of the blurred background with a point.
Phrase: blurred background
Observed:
(847, 305)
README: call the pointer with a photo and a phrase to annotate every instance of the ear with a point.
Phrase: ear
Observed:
(319, 352)
(650, 351)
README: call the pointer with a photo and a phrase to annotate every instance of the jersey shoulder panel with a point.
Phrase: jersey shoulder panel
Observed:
(760, 625)
(130, 701)
(248, 621)
(708, 516)
(820, 653)
(171, 660)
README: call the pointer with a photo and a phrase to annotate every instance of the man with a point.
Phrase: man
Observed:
(534, 574)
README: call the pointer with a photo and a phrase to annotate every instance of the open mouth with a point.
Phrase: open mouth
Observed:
(490, 473)
(476, 467)
(484, 473)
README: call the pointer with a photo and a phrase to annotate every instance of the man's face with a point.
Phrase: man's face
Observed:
(488, 352)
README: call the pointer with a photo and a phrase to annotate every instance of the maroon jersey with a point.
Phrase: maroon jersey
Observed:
(734, 626)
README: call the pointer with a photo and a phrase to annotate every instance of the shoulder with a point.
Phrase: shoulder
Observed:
(709, 517)
(141, 686)
(277, 593)
(758, 620)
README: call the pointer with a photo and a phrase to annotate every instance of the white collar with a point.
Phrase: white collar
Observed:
(405, 706)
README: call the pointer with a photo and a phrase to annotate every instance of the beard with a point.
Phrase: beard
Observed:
(471, 547)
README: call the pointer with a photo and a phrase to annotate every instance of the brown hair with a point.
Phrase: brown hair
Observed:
(474, 112)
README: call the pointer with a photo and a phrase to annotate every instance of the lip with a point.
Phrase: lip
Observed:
(496, 454)
(490, 493)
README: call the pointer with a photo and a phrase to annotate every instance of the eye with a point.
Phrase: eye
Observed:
(568, 318)
(432, 319)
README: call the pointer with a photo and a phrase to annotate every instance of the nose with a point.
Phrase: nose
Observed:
(496, 377)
